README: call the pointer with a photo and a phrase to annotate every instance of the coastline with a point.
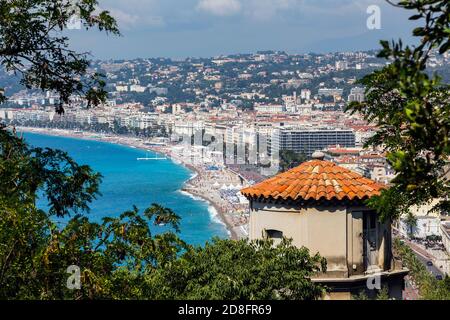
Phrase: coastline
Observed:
(235, 232)
(223, 218)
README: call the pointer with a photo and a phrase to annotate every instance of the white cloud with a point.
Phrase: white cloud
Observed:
(266, 9)
(255, 9)
(220, 7)
(129, 21)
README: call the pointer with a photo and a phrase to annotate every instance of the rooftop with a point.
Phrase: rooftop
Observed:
(315, 180)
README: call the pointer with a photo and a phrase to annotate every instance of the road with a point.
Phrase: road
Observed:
(410, 292)
(432, 269)
(424, 257)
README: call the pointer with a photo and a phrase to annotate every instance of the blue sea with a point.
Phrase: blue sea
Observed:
(128, 182)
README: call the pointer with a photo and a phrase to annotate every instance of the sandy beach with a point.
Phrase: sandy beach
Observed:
(212, 186)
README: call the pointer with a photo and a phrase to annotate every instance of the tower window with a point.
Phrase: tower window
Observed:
(274, 234)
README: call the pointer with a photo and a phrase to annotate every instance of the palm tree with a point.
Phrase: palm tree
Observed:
(411, 222)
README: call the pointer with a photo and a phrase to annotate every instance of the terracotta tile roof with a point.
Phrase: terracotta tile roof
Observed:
(315, 180)
(342, 151)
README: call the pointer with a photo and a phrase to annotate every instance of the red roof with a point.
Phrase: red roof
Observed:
(342, 150)
(315, 180)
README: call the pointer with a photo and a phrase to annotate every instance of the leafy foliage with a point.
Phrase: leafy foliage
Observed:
(429, 287)
(32, 44)
(122, 257)
(412, 112)
(231, 270)
(289, 159)
(411, 223)
(67, 185)
(382, 294)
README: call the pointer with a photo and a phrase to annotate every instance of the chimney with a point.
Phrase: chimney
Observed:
(318, 155)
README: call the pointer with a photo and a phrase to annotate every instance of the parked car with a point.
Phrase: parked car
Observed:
(439, 277)
(429, 263)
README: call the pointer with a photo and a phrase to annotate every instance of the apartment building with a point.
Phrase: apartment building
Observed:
(307, 141)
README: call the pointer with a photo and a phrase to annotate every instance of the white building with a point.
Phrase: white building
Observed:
(305, 94)
(270, 108)
(357, 94)
(137, 88)
(341, 65)
(121, 88)
(330, 92)
(428, 222)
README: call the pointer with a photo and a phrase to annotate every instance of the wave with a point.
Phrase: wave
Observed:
(192, 196)
(213, 214)
(193, 176)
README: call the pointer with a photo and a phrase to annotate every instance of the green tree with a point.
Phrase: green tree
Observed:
(32, 44)
(412, 111)
(429, 287)
(290, 159)
(382, 294)
(411, 223)
(35, 251)
(230, 270)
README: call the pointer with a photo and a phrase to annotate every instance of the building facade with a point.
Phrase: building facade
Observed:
(307, 141)
(320, 205)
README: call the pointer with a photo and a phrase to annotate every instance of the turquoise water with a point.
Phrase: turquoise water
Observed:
(128, 182)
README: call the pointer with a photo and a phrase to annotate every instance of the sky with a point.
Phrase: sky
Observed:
(206, 28)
